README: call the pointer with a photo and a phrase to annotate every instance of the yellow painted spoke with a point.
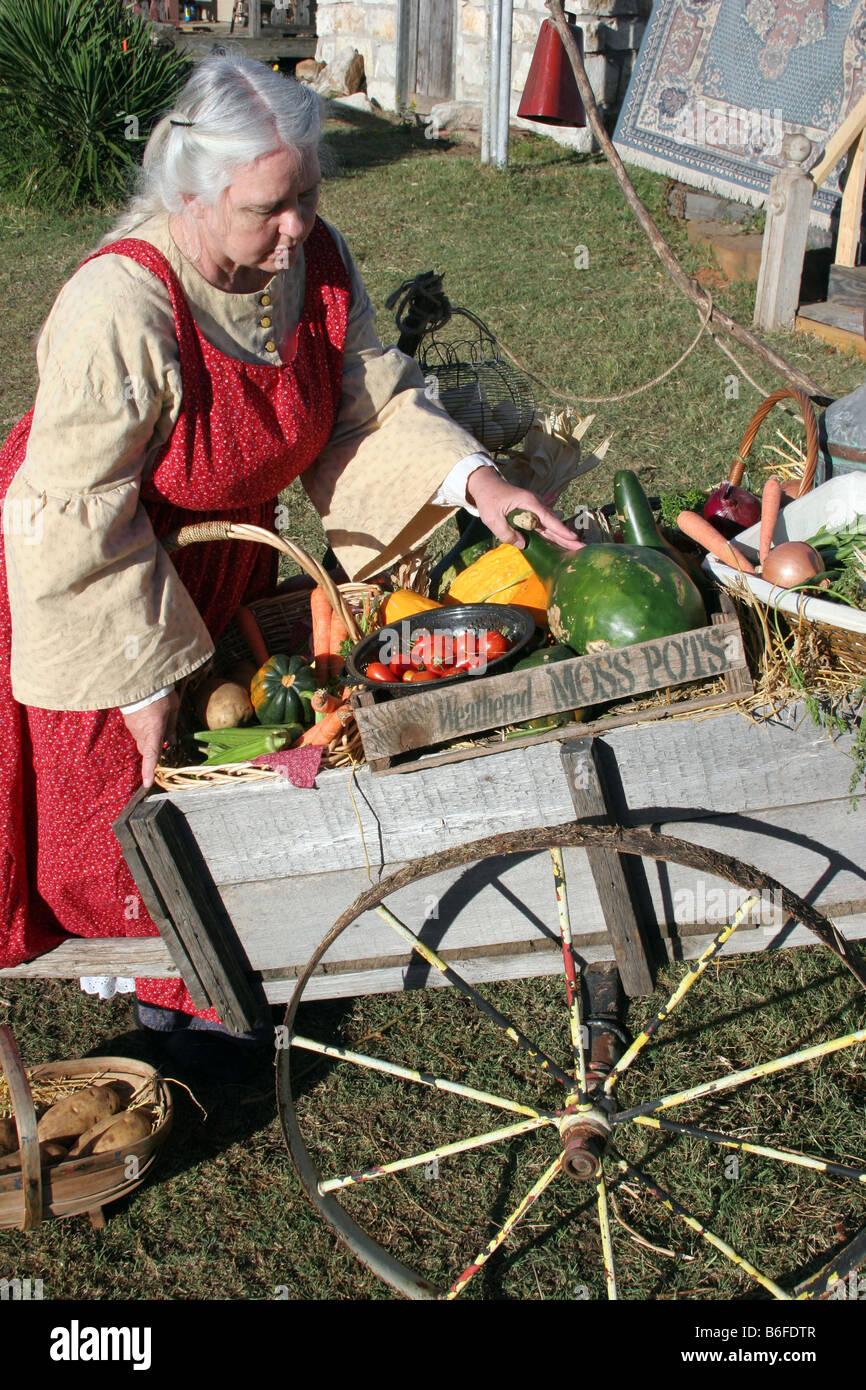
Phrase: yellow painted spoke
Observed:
(739, 1078)
(704, 1232)
(572, 969)
(477, 1141)
(423, 1078)
(694, 973)
(822, 1165)
(430, 956)
(517, 1215)
(606, 1239)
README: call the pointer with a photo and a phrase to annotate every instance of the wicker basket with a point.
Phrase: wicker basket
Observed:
(845, 648)
(77, 1185)
(283, 620)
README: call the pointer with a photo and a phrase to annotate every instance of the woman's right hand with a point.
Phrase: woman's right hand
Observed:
(151, 727)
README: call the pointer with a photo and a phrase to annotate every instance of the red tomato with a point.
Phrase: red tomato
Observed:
(432, 650)
(399, 665)
(415, 675)
(474, 662)
(465, 644)
(377, 672)
(493, 644)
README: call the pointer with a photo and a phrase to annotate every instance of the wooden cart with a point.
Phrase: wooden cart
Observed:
(244, 880)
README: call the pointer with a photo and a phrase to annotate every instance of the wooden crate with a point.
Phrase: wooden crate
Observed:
(245, 880)
(392, 728)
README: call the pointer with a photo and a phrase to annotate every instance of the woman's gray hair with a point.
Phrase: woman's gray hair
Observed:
(231, 111)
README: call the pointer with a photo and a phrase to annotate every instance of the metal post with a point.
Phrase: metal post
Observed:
(485, 100)
(491, 101)
(504, 92)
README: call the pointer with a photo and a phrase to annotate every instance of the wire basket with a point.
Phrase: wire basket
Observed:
(476, 386)
(285, 624)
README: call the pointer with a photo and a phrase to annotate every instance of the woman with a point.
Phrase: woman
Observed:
(217, 346)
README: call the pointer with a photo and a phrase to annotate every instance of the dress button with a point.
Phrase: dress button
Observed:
(266, 323)
(270, 345)
(265, 299)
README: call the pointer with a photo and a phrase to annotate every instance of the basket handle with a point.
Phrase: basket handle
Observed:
(240, 531)
(811, 424)
(25, 1120)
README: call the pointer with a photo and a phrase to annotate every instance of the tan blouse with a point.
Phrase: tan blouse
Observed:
(99, 615)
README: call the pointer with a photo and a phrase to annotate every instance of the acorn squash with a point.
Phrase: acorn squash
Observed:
(281, 691)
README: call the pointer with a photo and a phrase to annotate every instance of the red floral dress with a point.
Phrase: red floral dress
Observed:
(244, 432)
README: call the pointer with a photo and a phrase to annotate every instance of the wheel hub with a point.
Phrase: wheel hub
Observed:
(584, 1132)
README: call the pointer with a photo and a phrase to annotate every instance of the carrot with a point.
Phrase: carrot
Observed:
(700, 530)
(339, 635)
(322, 614)
(252, 635)
(320, 735)
(323, 704)
(771, 501)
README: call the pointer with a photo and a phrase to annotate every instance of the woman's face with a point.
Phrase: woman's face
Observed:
(265, 214)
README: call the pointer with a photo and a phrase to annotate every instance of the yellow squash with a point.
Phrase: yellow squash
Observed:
(502, 575)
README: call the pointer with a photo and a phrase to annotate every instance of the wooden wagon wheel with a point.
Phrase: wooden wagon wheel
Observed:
(585, 1128)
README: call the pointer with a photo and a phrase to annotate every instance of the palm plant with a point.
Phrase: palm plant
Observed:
(81, 86)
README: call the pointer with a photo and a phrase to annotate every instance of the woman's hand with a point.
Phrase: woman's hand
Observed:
(495, 498)
(151, 727)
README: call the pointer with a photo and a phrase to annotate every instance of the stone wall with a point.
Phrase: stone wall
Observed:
(612, 31)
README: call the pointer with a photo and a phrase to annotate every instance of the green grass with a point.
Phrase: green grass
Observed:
(224, 1216)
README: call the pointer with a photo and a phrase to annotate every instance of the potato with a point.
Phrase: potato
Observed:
(222, 704)
(78, 1112)
(49, 1152)
(127, 1129)
(8, 1137)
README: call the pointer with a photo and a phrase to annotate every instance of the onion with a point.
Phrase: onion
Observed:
(792, 562)
(732, 509)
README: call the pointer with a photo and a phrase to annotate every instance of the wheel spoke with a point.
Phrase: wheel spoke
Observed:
(690, 978)
(517, 1215)
(516, 1036)
(424, 1078)
(606, 1239)
(823, 1165)
(476, 1141)
(721, 1245)
(738, 1078)
(572, 971)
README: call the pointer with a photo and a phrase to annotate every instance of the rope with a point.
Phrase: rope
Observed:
(623, 395)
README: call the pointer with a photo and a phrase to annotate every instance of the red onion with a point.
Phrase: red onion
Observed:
(732, 509)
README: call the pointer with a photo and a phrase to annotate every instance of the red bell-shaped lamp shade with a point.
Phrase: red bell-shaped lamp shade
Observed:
(551, 94)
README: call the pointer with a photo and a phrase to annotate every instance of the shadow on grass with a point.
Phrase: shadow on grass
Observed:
(357, 140)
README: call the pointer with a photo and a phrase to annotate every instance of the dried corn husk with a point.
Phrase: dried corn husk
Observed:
(549, 458)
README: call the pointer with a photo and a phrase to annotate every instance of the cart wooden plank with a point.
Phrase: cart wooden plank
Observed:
(434, 715)
(585, 783)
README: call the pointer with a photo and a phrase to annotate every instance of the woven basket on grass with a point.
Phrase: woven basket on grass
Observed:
(279, 619)
(75, 1185)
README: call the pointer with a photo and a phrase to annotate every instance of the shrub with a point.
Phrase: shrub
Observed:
(81, 86)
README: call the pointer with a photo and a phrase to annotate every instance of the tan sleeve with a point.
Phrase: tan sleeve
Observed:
(99, 615)
(389, 451)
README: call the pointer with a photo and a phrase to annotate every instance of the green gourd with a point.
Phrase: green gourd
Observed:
(639, 526)
(281, 691)
(610, 594)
